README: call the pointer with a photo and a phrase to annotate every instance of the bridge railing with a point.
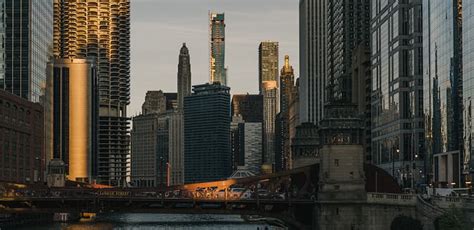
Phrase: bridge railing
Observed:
(446, 202)
(391, 199)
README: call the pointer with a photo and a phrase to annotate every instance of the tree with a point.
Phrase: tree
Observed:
(405, 223)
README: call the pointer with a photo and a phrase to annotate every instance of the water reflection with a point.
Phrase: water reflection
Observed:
(156, 221)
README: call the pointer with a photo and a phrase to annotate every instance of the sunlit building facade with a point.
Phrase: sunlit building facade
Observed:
(26, 34)
(217, 69)
(72, 115)
(397, 89)
(268, 82)
(101, 30)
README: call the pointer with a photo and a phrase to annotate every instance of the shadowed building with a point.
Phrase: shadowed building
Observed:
(249, 106)
(21, 140)
(207, 151)
(397, 90)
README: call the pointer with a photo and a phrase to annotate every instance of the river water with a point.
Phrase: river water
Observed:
(155, 221)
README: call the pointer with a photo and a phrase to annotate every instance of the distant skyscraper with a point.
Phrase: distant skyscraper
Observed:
(184, 76)
(248, 106)
(268, 77)
(207, 152)
(26, 35)
(287, 87)
(156, 151)
(155, 102)
(313, 63)
(101, 30)
(348, 24)
(397, 90)
(442, 91)
(217, 68)
(267, 62)
(72, 115)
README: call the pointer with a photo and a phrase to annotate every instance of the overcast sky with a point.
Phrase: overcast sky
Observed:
(159, 27)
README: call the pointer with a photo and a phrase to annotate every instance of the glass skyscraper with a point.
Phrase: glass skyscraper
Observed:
(397, 88)
(207, 150)
(26, 34)
(468, 85)
(217, 68)
(442, 89)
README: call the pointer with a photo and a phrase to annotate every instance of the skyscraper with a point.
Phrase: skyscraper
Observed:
(468, 92)
(313, 63)
(267, 63)
(348, 24)
(442, 91)
(101, 30)
(71, 89)
(184, 76)
(207, 152)
(287, 87)
(397, 89)
(217, 69)
(26, 34)
(268, 77)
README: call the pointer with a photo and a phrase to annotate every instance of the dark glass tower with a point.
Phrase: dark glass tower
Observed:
(217, 68)
(207, 151)
(442, 91)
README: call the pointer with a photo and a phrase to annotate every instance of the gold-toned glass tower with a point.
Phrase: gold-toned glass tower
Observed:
(101, 29)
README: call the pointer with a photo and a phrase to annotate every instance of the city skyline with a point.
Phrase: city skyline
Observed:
(152, 67)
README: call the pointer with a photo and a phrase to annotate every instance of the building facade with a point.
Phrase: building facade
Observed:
(348, 26)
(246, 141)
(267, 63)
(468, 90)
(268, 84)
(101, 30)
(313, 64)
(71, 116)
(248, 106)
(26, 34)
(287, 88)
(217, 69)
(397, 89)
(361, 91)
(21, 140)
(442, 90)
(207, 151)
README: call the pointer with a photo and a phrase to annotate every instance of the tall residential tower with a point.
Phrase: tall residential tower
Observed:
(101, 30)
(217, 69)
(268, 76)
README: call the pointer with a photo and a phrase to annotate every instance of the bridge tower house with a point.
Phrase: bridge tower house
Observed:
(341, 177)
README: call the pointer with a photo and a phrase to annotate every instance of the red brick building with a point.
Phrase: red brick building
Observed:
(22, 155)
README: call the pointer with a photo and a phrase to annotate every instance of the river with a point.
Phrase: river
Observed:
(154, 221)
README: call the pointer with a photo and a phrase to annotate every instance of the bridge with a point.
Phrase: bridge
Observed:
(290, 196)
